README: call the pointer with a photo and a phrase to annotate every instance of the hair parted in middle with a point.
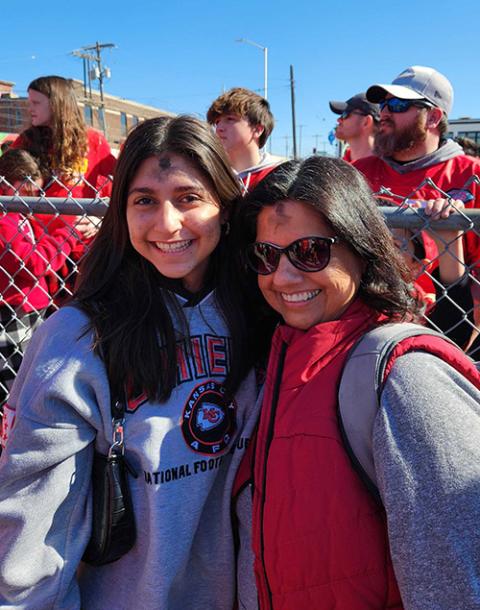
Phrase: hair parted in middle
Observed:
(128, 299)
(246, 104)
(62, 145)
(337, 191)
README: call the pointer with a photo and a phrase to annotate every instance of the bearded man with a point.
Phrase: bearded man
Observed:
(411, 145)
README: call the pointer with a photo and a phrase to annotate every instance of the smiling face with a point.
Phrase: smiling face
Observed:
(174, 218)
(306, 299)
(39, 108)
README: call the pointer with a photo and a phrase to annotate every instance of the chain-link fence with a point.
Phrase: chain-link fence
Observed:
(43, 240)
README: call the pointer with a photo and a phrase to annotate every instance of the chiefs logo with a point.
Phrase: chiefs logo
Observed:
(463, 194)
(208, 420)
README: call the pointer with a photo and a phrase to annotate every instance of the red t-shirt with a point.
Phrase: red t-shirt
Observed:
(453, 177)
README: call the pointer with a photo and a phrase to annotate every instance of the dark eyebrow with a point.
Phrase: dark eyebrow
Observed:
(197, 188)
(140, 189)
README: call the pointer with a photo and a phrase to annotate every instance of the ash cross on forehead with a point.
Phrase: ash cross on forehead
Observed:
(164, 163)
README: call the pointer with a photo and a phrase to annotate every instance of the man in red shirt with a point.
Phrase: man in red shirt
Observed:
(356, 125)
(414, 158)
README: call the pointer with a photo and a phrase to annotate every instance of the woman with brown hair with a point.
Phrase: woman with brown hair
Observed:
(326, 262)
(75, 161)
(70, 154)
(159, 316)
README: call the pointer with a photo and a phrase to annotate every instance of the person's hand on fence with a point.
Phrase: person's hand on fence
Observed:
(451, 259)
(87, 226)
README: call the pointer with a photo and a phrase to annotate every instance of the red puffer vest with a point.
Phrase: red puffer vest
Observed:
(319, 537)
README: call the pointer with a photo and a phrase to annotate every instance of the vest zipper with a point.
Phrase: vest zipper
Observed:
(271, 426)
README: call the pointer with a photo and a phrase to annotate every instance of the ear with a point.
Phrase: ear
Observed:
(434, 117)
(257, 131)
(368, 121)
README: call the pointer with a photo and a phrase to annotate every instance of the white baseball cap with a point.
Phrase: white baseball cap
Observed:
(417, 83)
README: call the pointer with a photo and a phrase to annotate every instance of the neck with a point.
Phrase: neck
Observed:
(427, 146)
(361, 147)
(245, 158)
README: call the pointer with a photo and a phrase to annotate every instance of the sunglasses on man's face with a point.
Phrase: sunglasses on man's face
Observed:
(308, 254)
(346, 113)
(395, 104)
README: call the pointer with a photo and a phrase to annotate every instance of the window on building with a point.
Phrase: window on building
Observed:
(471, 135)
(101, 119)
(134, 120)
(88, 114)
(123, 124)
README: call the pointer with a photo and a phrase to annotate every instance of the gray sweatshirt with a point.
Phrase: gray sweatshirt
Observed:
(186, 452)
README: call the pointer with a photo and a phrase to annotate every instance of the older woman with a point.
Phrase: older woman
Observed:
(327, 264)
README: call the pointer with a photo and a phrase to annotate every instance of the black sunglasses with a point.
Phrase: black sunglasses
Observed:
(395, 104)
(346, 113)
(308, 254)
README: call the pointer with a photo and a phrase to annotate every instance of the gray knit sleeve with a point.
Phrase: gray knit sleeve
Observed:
(45, 469)
(427, 456)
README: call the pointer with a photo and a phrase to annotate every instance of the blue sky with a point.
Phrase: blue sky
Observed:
(180, 55)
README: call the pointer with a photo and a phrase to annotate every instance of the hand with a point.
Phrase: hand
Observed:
(87, 226)
(442, 208)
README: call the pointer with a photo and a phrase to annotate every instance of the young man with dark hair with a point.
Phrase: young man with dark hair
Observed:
(243, 122)
(356, 125)
(412, 150)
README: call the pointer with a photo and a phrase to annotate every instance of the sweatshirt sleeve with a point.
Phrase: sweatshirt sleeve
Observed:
(427, 457)
(45, 468)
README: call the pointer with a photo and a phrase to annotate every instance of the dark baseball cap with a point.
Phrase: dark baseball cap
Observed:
(357, 102)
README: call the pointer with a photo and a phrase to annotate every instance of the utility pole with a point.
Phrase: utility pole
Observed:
(286, 138)
(99, 72)
(316, 136)
(294, 128)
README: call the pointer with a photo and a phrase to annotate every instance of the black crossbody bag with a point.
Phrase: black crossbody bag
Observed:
(113, 521)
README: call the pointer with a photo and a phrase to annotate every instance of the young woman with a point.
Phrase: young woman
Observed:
(73, 158)
(327, 264)
(157, 313)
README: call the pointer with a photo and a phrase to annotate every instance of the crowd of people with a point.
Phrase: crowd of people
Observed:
(211, 324)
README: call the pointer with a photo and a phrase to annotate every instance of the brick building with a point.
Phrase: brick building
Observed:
(115, 117)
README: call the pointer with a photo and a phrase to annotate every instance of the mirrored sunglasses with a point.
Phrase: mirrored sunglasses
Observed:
(395, 104)
(308, 254)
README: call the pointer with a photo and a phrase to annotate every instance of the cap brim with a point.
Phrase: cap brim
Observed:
(377, 93)
(338, 107)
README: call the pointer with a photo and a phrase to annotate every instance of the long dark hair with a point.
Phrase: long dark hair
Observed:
(62, 145)
(128, 300)
(341, 195)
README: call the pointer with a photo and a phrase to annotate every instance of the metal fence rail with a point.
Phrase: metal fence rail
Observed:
(43, 240)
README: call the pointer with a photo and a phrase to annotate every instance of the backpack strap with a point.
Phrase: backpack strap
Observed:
(360, 389)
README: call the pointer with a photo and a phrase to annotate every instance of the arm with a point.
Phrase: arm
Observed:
(451, 260)
(427, 458)
(45, 469)
(23, 256)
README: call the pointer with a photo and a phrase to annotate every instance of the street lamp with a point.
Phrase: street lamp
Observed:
(265, 62)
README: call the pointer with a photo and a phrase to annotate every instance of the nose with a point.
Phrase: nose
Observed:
(168, 219)
(286, 274)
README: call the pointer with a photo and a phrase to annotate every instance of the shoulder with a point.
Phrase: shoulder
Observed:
(419, 379)
(466, 163)
(96, 138)
(65, 334)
